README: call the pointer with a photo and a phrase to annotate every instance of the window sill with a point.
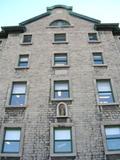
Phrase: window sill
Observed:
(60, 66)
(112, 152)
(99, 65)
(107, 104)
(63, 155)
(94, 41)
(58, 100)
(70, 26)
(19, 68)
(60, 42)
(10, 155)
(26, 43)
(62, 117)
(15, 107)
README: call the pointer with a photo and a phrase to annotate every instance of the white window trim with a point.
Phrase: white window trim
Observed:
(64, 125)
(61, 66)
(21, 140)
(94, 41)
(26, 43)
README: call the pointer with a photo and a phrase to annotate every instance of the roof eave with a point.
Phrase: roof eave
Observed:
(114, 27)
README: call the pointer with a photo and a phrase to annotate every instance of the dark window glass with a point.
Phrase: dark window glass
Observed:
(61, 89)
(11, 141)
(18, 94)
(60, 23)
(97, 58)
(105, 94)
(60, 37)
(113, 138)
(27, 38)
(60, 59)
(92, 36)
(23, 61)
(62, 140)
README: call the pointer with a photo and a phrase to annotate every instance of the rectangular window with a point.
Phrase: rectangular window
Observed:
(61, 89)
(113, 138)
(59, 37)
(97, 58)
(60, 59)
(11, 142)
(27, 38)
(62, 140)
(92, 36)
(18, 94)
(23, 61)
(105, 94)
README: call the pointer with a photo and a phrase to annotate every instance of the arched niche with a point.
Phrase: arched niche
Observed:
(62, 110)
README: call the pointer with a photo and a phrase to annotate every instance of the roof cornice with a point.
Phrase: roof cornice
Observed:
(11, 29)
(114, 27)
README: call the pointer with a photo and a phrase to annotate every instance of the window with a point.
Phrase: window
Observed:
(60, 37)
(0, 42)
(60, 23)
(23, 61)
(61, 89)
(62, 140)
(27, 38)
(60, 59)
(113, 138)
(92, 36)
(97, 58)
(18, 94)
(105, 94)
(11, 142)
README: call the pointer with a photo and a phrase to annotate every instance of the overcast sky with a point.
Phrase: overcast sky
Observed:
(12, 12)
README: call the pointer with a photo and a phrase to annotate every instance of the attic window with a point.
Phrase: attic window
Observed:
(59, 23)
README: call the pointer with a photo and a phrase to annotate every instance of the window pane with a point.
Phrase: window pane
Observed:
(105, 97)
(61, 86)
(92, 36)
(98, 62)
(59, 37)
(103, 86)
(17, 100)
(62, 134)
(23, 64)
(61, 94)
(112, 131)
(63, 146)
(23, 59)
(113, 144)
(19, 88)
(60, 23)
(12, 135)
(97, 57)
(60, 57)
(27, 38)
(11, 147)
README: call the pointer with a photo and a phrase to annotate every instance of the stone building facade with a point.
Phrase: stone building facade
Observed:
(60, 88)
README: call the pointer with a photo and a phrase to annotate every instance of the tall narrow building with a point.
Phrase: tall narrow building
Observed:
(60, 88)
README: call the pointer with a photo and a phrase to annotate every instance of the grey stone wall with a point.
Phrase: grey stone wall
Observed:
(40, 111)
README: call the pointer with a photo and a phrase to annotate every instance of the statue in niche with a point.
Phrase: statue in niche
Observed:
(62, 110)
